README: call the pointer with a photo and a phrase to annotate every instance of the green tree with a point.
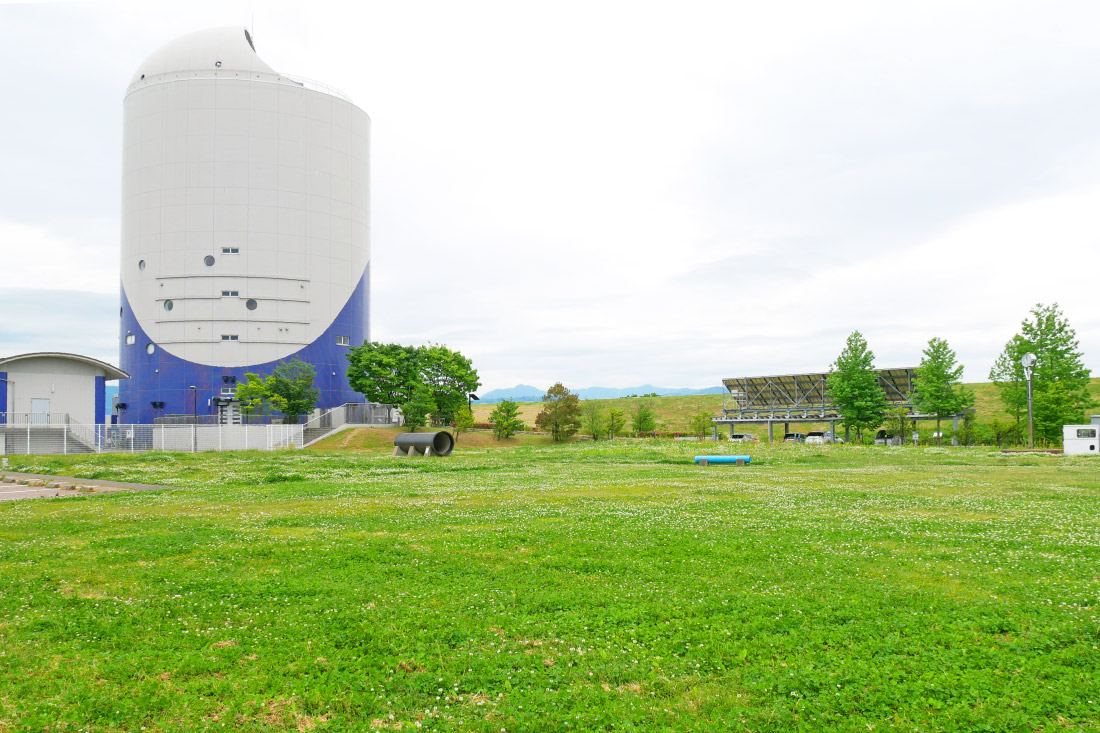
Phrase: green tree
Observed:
(854, 387)
(615, 422)
(1005, 432)
(938, 385)
(293, 382)
(644, 419)
(505, 419)
(1059, 380)
(896, 423)
(700, 423)
(385, 373)
(592, 418)
(391, 373)
(288, 390)
(463, 419)
(257, 397)
(971, 431)
(450, 376)
(418, 407)
(1008, 374)
(560, 413)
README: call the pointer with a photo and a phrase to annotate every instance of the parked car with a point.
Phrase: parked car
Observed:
(794, 438)
(883, 438)
(743, 438)
(818, 437)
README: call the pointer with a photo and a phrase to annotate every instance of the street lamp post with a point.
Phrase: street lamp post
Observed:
(194, 416)
(1028, 362)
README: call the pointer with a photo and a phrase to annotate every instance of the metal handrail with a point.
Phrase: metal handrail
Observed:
(34, 419)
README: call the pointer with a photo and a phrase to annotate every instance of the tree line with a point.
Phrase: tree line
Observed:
(434, 383)
(1059, 385)
(563, 416)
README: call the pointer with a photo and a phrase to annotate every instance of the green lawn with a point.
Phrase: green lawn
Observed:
(579, 587)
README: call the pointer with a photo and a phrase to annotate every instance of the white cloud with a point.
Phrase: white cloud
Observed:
(35, 258)
(624, 193)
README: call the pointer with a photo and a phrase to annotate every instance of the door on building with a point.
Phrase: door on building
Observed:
(40, 411)
(229, 412)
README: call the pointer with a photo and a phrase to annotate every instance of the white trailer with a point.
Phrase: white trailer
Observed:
(1081, 440)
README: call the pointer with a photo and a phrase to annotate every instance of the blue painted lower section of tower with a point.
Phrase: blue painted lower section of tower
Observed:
(100, 400)
(162, 377)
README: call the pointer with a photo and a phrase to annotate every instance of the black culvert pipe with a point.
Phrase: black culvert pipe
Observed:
(441, 443)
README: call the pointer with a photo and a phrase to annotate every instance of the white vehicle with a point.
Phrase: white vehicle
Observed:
(743, 438)
(818, 437)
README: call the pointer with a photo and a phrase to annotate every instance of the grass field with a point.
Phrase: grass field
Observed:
(592, 586)
(674, 413)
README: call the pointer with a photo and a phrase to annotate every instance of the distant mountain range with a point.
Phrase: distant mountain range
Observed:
(527, 393)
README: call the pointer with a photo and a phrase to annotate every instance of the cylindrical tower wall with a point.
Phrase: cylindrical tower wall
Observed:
(245, 227)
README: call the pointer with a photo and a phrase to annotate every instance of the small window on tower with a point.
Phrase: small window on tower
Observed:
(208, 260)
(230, 293)
(150, 348)
(168, 305)
(343, 341)
(141, 264)
(230, 337)
(250, 304)
(231, 250)
(130, 339)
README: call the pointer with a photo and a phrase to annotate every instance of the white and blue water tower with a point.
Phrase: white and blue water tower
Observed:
(245, 227)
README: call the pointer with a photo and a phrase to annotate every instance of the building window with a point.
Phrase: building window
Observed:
(343, 341)
(250, 304)
(150, 348)
(231, 250)
(230, 293)
(208, 260)
(141, 264)
(167, 305)
(229, 337)
(229, 391)
(130, 339)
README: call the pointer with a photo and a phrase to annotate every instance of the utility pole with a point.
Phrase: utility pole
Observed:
(1028, 362)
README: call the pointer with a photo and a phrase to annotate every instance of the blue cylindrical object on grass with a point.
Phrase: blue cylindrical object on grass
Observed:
(723, 459)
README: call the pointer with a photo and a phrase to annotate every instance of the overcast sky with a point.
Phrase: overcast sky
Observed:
(624, 193)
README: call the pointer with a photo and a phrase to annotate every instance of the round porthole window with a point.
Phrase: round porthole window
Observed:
(168, 305)
(250, 304)
(141, 264)
(150, 348)
(208, 260)
(218, 64)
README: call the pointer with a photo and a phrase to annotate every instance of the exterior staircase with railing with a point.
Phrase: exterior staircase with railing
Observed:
(44, 433)
(350, 415)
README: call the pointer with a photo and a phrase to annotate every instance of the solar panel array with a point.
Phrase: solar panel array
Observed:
(807, 391)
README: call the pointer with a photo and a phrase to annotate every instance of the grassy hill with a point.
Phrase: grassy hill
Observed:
(674, 412)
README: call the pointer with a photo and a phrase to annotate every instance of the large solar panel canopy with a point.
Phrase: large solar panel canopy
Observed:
(804, 394)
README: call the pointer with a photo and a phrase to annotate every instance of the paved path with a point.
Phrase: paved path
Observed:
(15, 485)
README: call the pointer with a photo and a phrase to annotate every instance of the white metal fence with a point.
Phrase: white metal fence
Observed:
(67, 437)
(356, 413)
